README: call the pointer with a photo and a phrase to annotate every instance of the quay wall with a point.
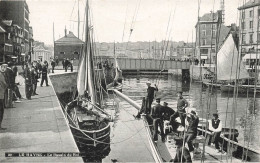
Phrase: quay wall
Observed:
(66, 82)
(196, 70)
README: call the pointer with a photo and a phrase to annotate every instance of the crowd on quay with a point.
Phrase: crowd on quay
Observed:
(178, 120)
(31, 72)
(106, 64)
(67, 63)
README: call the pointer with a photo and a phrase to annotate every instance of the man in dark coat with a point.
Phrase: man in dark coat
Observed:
(182, 153)
(181, 105)
(191, 133)
(157, 115)
(52, 65)
(66, 64)
(63, 63)
(34, 80)
(28, 81)
(167, 111)
(150, 94)
(3, 87)
(44, 75)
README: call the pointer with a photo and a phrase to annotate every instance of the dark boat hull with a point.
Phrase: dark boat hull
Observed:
(242, 89)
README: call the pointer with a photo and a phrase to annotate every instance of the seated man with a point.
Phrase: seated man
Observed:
(215, 126)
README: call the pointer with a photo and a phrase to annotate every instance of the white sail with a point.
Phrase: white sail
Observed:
(228, 60)
(81, 79)
(90, 81)
(118, 70)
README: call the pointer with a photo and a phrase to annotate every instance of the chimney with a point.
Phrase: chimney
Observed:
(65, 32)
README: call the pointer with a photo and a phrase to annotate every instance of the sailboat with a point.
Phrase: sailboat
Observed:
(230, 68)
(90, 125)
(117, 82)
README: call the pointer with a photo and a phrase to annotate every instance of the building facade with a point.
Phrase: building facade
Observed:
(210, 32)
(68, 46)
(42, 54)
(249, 31)
(18, 13)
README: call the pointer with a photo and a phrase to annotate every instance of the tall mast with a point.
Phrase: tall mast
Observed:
(78, 19)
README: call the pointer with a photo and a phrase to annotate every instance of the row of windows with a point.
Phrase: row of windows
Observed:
(251, 13)
(204, 26)
(63, 53)
(211, 42)
(204, 33)
(251, 40)
(243, 25)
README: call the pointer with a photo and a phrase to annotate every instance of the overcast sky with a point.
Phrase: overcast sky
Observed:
(109, 18)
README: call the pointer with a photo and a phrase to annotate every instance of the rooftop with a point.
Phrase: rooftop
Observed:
(209, 16)
(70, 39)
(249, 4)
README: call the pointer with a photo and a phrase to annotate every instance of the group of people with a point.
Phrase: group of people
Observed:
(9, 90)
(158, 114)
(66, 63)
(106, 64)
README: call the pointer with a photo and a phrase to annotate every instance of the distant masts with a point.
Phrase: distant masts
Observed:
(222, 8)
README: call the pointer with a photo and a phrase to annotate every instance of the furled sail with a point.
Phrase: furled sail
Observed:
(118, 76)
(85, 79)
(81, 79)
(228, 60)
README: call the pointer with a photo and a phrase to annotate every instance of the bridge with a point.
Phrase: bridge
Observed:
(135, 64)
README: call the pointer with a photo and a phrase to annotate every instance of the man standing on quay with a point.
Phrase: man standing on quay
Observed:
(3, 87)
(28, 81)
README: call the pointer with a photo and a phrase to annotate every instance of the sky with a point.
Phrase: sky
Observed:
(149, 19)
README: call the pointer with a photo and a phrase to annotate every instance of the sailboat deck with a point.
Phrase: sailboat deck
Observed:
(167, 151)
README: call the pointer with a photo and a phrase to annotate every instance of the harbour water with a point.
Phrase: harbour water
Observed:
(206, 101)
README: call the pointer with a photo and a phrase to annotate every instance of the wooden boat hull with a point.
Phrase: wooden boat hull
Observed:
(214, 85)
(241, 89)
(88, 138)
(162, 154)
(85, 139)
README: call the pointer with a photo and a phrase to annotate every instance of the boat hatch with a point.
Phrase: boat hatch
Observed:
(85, 117)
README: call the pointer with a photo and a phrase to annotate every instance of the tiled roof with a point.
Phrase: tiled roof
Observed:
(208, 17)
(69, 39)
(250, 3)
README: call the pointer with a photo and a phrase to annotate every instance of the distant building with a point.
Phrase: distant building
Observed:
(18, 13)
(41, 53)
(209, 30)
(249, 24)
(68, 46)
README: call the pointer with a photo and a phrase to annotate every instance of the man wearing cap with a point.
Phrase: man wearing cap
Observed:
(215, 125)
(3, 87)
(28, 81)
(167, 111)
(191, 133)
(182, 153)
(150, 94)
(157, 116)
(181, 105)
